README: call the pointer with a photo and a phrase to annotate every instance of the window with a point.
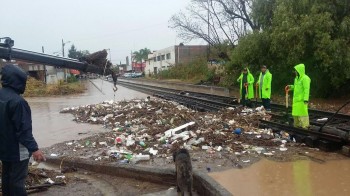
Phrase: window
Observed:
(158, 58)
(154, 59)
(163, 57)
(168, 56)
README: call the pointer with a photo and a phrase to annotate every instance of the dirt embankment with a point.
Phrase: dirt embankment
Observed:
(36, 88)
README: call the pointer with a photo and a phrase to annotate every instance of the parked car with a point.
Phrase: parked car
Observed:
(128, 75)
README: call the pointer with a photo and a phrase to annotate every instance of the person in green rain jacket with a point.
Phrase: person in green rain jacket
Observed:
(246, 80)
(301, 95)
(264, 87)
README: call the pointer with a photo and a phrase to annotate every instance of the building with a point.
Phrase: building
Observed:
(173, 55)
(48, 74)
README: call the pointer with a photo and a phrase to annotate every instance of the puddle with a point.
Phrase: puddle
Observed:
(288, 178)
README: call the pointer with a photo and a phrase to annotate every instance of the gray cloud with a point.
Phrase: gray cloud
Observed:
(121, 25)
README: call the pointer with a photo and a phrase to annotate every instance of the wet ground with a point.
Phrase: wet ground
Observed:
(309, 175)
(84, 183)
(51, 127)
(288, 178)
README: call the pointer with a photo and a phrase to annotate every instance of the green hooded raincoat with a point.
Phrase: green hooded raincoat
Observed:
(265, 94)
(301, 93)
(250, 79)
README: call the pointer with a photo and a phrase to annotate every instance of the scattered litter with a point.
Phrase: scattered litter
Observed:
(259, 150)
(246, 161)
(322, 120)
(53, 155)
(237, 131)
(153, 152)
(219, 148)
(146, 128)
(283, 149)
(49, 181)
(205, 147)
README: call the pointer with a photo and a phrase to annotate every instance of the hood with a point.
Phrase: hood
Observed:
(300, 69)
(14, 77)
(248, 72)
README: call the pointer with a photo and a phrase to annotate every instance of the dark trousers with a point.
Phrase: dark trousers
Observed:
(13, 178)
(244, 101)
(266, 104)
(243, 98)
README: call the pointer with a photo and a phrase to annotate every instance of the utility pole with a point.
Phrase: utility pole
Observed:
(43, 50)
(208, 52)
(63, 48)
(131, 60)
(64, 70)
(110, 55)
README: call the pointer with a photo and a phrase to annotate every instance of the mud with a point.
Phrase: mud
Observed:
(288, 178)
(90, 183)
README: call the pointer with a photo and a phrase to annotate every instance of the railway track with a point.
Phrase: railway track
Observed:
(332, 137)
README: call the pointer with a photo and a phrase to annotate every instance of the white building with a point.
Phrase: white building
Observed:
(173, 55)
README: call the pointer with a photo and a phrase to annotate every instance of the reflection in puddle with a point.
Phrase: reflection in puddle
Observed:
(288, 178)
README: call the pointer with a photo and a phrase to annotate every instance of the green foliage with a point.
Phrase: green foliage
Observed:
(77, 54)
(36, 88)
(313, 32)
(193, 72)
(72, 79)
(142, 54)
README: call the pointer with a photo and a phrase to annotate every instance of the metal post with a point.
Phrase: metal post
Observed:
(63, 48)
(64, 70)
(208, 51)
(42, 49)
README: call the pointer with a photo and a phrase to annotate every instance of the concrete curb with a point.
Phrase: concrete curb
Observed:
(202, 183)
(181, 86)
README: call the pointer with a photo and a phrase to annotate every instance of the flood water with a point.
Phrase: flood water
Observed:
(299, 178)
(51, 127)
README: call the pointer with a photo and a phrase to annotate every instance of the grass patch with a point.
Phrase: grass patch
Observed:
(192, 72)
(36, 88)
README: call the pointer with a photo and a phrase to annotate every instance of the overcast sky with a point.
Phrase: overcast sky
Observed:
(121, 25)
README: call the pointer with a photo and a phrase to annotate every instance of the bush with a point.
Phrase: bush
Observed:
(36, 88)
(72, 79)
(194, 71)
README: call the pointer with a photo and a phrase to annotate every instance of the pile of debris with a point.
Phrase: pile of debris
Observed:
(144, 129)
(40, 179)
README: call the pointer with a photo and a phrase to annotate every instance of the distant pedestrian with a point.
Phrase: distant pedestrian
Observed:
(17, 143)
(246, 87)
(264, 87)
(301, 96)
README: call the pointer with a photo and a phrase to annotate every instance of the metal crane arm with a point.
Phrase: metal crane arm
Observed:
(7, 52)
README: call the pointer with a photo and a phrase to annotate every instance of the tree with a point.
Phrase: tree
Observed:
(313, 32)
(75, 54)
(141, 55)
(227, 20)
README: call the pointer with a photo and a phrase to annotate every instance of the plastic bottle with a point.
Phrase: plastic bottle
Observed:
(140, 157)
(142, 144)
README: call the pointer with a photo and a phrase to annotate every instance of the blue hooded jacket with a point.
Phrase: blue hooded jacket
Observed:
(16, 138)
